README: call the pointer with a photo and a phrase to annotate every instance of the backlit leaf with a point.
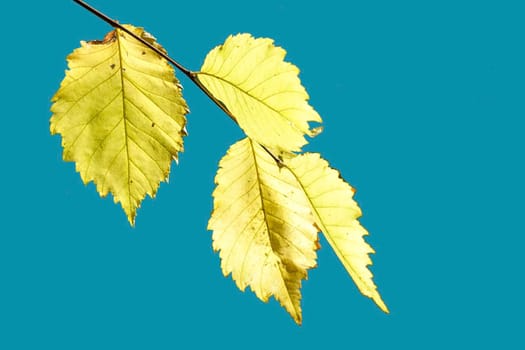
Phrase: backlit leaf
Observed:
(121, 116)
(260, 90)
(262, 225)
(336, 215)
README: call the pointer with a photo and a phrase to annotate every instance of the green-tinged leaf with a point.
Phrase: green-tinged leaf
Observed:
(336, 215)
(260, 90)
(262, 225)
(121, 116)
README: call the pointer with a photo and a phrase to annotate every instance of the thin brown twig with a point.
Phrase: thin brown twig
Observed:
(193, 76)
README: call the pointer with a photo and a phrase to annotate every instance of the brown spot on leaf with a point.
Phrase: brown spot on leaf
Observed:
(110, 37)
(112, 66)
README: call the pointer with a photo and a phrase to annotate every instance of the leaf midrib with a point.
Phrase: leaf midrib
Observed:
(126, 144)
(369, 288)
(265, 217)
(324, 228)
(235, 86)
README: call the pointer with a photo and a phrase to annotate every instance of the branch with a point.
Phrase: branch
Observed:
(193, 76)
(115, 24)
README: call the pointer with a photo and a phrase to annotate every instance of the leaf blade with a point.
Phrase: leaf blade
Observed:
(336, 215)
(260, 91)
(262, 226)
(121, 115)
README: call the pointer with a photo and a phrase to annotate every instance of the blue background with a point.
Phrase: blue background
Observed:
(423, 103)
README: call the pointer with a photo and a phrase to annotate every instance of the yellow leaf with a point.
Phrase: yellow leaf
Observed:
(260, 91)
(262, 225)
(121, 116)
(336, 215)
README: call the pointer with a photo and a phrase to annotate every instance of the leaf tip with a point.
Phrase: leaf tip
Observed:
(298, 320)
(131, 218)
(381, 304)
(316, 131)
(296, 314)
